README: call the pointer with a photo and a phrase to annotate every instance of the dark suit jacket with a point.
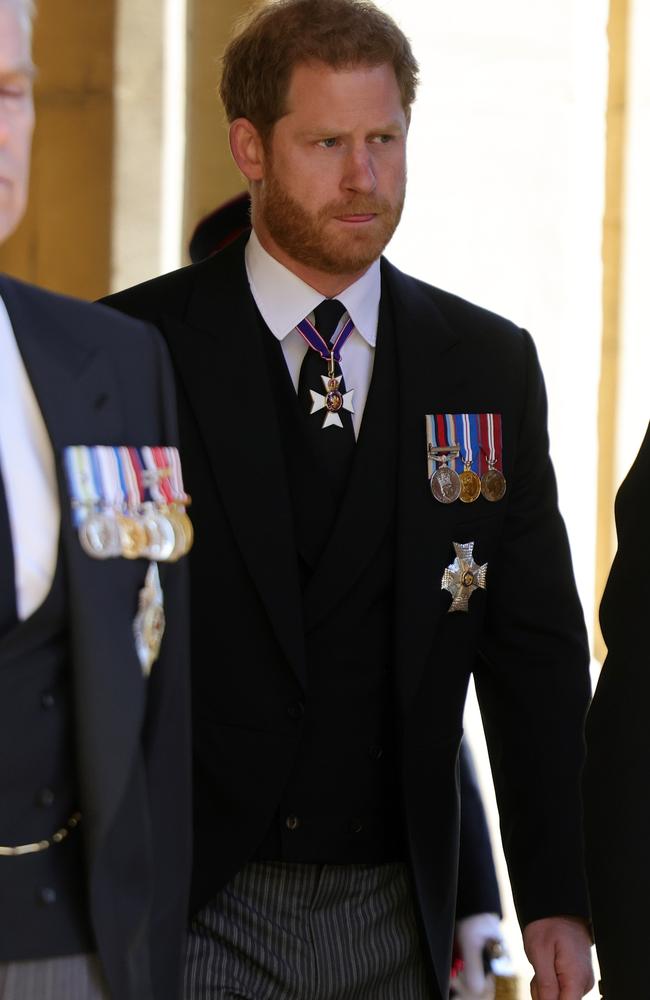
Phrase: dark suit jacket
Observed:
(526, 631)
(617, 804)
(103, 379)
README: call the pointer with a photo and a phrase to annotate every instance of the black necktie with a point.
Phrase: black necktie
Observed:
(8, 612)
(333, 446)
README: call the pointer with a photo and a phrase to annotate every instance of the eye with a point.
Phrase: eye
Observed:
(328, 143)
(382, 140)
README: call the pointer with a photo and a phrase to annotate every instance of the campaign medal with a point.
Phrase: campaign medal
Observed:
(332, 400)
(493, 482)
(442, 452)
(149, 622)
(162, 470)
(470, 483)
(180, 501)
(90, 507)
(129, 502)
(463, 576)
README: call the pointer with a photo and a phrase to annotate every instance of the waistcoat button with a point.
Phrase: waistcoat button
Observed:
(45, 797)
(47, 896)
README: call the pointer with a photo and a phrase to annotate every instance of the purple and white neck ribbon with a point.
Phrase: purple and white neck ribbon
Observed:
(310, 334)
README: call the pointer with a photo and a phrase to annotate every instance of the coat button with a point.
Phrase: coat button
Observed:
(47, 700)
(45, 797)
(47, 896)
(376, 752)
(356, 826)
(296, 710)
(292, 822)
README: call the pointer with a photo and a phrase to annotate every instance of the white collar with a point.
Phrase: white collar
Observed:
(284, 299)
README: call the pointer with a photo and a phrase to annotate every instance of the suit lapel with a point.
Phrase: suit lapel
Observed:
(78, 397)
(428, 353)
(227, 385)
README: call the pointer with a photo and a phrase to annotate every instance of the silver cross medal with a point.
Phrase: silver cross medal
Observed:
(333, 400)
(463, 576)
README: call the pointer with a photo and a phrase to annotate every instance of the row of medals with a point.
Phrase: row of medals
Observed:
(159, 532)
(447, 485)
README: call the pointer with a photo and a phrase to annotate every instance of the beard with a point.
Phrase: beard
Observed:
(305, 236)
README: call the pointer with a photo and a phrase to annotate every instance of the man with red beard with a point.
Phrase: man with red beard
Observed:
(376, 517)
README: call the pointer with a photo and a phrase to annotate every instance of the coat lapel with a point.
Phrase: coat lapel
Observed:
(428, 353)
(78, 397)
(227, 385)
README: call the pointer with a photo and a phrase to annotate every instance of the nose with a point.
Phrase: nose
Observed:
(359, 174)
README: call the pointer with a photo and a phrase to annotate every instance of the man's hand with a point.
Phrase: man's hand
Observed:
(559, 949)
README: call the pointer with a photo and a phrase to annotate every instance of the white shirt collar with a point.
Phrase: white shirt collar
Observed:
(284, 299)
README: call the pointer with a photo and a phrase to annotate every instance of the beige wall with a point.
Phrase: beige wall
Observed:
(210, 175)
(613, 233)
(64, 241)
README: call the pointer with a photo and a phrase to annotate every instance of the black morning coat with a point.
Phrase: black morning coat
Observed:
(524, 636)
(617, 804)
(102, 379)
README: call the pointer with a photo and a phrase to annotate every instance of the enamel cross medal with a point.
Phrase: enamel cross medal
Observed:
(332, 400)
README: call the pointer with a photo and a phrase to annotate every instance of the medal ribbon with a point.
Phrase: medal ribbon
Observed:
(441, 433)
(467, 431)
(132, 470)
(155, 475)
(81, 482)
(112, 493)
(310, 334)
(490, 441)
(176, 476)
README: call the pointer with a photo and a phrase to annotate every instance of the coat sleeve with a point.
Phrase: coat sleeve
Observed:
(617, 810)
(532, 678)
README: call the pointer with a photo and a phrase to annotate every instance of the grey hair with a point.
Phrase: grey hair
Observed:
(26, 10)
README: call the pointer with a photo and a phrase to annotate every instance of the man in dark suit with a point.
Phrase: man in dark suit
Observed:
(340, 601)
(478, 904)
(94, 735)
(617, 812)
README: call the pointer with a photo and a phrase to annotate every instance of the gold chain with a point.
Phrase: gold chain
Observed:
(42, 845)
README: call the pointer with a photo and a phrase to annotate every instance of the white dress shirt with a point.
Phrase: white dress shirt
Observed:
(29, 475)
(284, 300)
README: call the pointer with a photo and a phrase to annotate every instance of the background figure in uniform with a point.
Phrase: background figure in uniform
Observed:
(617, 806)
(94, 755)
(338, 606)
(478, 907)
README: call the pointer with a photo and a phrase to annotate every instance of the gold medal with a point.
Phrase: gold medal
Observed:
(493, 485)
(183, 532)
(133, 537)
(470, 486)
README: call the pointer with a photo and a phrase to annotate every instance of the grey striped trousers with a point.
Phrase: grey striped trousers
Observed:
(74, 977)
(308, 932)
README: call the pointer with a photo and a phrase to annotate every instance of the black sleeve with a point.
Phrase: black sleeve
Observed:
(532, 680)
(617, 805)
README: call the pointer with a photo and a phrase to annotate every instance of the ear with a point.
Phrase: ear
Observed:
(247, 149)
